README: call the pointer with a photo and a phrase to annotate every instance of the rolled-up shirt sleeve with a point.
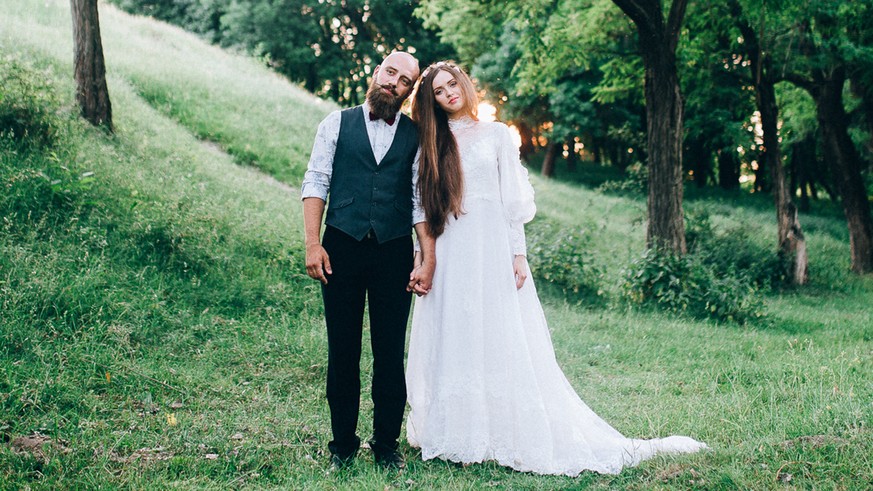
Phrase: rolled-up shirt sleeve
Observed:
(417, 210)
(316, 181)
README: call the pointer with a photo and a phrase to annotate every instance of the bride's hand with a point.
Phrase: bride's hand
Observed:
(421, 277)
(519, 267)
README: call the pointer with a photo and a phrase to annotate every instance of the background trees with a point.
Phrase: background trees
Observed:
(753, 96)
(328, 46)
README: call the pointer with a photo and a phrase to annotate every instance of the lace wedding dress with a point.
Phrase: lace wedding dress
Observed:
(482, 379)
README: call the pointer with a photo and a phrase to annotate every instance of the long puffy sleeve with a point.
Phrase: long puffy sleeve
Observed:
(516, 192)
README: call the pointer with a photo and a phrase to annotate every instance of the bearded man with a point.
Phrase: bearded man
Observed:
(365, 160)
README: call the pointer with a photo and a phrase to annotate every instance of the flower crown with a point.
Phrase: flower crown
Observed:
(436, 66)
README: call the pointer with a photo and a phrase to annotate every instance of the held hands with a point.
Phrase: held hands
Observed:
(421, 277)
(317, 263)
(519, 267)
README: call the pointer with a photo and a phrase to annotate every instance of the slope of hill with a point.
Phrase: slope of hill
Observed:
(157, 328)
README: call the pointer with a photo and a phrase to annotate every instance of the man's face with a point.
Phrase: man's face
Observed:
(396, 75)
(392, 82)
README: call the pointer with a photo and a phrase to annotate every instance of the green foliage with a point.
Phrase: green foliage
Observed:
(724, 275)
(687, 285)
(328, 47)
(635, 182)
(29, 104)
(733, 252)
(41, 187)
(563, 258)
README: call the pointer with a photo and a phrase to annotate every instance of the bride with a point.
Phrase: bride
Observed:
(482, 378)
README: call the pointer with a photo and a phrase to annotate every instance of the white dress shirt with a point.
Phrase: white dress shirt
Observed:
(316, 181)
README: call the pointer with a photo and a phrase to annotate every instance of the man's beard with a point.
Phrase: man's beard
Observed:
(384, 106)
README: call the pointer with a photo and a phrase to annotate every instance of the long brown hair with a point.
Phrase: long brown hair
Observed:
(440, 180)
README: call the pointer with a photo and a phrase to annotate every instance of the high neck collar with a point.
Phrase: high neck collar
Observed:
(461, 123)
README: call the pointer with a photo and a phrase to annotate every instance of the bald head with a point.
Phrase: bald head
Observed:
(399, 70)
(403, 60)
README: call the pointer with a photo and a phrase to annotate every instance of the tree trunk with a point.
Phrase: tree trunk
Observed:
(613, 154)
(597, 152)
(92, 93)
(762, 174)
(789, 234)
(802, 170)
(664, 113)
(572, 156)
(846, 167)
(526, 134)
(795, 247)
(698, 157)
(312, 78)
(664, 106)
(728, 169)
(862, 92)
(548, 169)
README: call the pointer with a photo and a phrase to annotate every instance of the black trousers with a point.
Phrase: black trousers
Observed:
(378, 273)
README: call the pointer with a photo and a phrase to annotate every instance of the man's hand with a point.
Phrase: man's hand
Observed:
(421, 279)
(519, 267)
(317, 263)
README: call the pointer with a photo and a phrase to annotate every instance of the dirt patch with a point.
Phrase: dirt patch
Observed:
(814, 441)
(145, 455)
(674, 471)
(37, 445)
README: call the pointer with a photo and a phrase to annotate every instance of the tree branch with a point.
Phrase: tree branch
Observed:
(799, 81)
(647, 16)
(639, 12)
(674, 22)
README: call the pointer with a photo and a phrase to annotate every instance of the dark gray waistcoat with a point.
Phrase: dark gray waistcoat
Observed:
(364, 195)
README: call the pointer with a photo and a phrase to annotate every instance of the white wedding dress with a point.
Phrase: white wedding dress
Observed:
(482, 379)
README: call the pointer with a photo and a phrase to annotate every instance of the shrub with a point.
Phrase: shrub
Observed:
(41, 189)
(734, 252)
(29, 105)
(685, 284)
(636, 182)
(561, 256)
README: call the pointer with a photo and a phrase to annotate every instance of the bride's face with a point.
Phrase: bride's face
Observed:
(447, 93)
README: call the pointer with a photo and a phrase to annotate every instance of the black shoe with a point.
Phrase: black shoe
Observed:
(389, 459)
(340, 462)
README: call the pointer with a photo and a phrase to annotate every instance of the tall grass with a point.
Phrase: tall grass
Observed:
(157, 329)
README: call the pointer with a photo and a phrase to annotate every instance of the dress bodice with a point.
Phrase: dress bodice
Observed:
(492, 168)
(478, 145)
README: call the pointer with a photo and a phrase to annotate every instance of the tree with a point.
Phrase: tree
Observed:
(822, 69)
(664, 112)
(329, 46)
(790, 236)
(92, 93)
(526, 56)
(718, 103)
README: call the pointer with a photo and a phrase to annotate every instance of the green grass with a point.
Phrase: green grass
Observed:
(158, 329)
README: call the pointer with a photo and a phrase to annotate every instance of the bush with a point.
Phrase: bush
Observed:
(735, 253)
(40, 184)
(636, 182)
(561, 257)
(29, 105)
(685, 284)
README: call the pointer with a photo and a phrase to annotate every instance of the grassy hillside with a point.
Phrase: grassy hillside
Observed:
(157, 328)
